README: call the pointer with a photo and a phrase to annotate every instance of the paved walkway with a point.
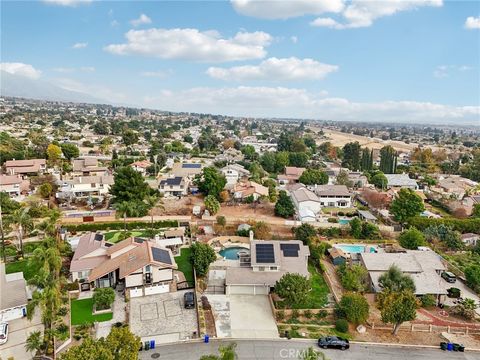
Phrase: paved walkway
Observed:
(119, 315)
(443, 321)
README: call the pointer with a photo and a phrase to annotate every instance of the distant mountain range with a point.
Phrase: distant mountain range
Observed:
(21, 86)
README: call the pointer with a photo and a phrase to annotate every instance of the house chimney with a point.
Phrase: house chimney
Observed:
(250, 233)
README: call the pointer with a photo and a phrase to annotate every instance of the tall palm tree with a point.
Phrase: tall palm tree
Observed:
(34, 342)
(123, 209)
(153, 201)
(22, 222)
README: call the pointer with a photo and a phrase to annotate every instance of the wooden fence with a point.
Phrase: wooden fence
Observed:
(463, 330)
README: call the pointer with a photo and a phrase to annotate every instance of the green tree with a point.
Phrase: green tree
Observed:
(354, 307)
(411, 238)
(407, 204)
(249, 152)
(299, 159)
(351, 156)
(210, 182)
(122, 343)
(343, 179)
(123, 209)
(355, 228)
(54, 154)
(353, 277)
(293, 288)
(34, 342)
(129, 137)
(281, 160)
(22, 223)
(305, 233)
(472, 275)
(394, 280)
(202, 256)
(388, 157)
(284, 206)
(227, 352)
(45, 190)
(367, 160)
(379, 180)
(398, 307)
(268, 161)
(152, 202)
(313, 177)
(70, 151)
(90, 349)
(103, 298)
(212, 204)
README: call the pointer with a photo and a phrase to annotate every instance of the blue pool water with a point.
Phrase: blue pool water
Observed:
(343, 221)
(355, 249)
(231, 253)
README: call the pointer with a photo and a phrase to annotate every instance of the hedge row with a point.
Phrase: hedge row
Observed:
(461, 225)
(119, 225)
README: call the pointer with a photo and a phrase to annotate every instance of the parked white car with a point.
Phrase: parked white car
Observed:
(3, 333)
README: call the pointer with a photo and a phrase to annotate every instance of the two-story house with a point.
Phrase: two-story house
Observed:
(14, 185)
(233, 173)
(88, 167)
(333, 195)
(85, 186)
(25, 167)
(141, 166)
(174, 186)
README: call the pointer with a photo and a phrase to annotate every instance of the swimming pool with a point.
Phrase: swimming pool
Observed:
(343, 221)
(231, 253)
(355, 249)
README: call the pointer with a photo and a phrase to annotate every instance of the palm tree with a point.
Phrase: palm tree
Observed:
(123, 209)
(312, 354)
(23, 223)
(153, 201)
(227, 352)
(34, 342)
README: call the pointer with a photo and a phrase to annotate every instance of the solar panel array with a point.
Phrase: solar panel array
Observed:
(290, 250)
(264, 253)
(138, 240)
(191, 166)
(161, 255)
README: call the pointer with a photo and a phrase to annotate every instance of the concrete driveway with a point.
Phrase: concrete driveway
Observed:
(465, 292)
(162, 317)
(18, 331)
(243, 316)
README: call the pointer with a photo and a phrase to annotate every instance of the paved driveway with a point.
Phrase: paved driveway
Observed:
(243, 316)
(465, 293)
(162, 318)
(18, 332)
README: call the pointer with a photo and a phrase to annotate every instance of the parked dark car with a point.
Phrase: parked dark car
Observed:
(449, 277)
(333, 342)
(189, 299)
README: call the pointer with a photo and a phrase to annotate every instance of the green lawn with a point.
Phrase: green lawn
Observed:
(317, 297)
(184, 264)
(113, 236)
(20, 266)
(82, 312)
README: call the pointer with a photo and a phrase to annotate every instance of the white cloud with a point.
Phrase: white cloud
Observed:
(192, 44)
(80, 45)
(143, 19)
(69, 70)
(361, 13)
(472, 23)
(276, 70)
(114, 23)
(284, 9)
(294, 39)
(21, 69)
(298, 103)
(71, 3)
(443, 71)
(157, 74)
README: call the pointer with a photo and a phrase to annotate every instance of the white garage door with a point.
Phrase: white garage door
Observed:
(11, 314)
(247, 290)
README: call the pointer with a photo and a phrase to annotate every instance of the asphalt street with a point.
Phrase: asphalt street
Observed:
(291, 349)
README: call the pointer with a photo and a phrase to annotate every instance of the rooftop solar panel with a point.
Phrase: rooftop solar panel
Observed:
(290, 250)
(138, 240)
(191, 166)
(264, 253)
(161, 255)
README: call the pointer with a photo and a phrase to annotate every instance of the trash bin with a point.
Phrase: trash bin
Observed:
(461, 348)
(141, 347)
(455, 346)
(152, 344)
(147, 345)
(449, 346)
(206, 339)
(443, 345)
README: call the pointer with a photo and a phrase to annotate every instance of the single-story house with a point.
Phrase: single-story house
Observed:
(267, 262)
(14, 185)
(141, 166)
(13, 295)
(398, 181)
(291, 175)
(470, 239)
(307, 202)
(244, 189)
(186, 169)
(366, 215)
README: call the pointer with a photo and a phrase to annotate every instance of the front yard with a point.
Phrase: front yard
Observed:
(185, 265)
(21, 266)
(114, 236)
(82, 312)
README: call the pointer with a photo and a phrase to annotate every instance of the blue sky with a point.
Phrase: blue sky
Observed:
(335, 59)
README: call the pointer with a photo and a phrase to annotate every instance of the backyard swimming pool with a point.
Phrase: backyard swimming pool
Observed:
(355, 249)
(343, 221)
(231, 253)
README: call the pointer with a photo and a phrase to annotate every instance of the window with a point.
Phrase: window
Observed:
(147, 268)
(273, 268)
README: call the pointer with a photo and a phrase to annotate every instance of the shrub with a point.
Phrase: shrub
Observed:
(295, 313)
(62, 311)
(118, 225)
(341, 325)
(354, 307)
(428, 300)
(103, 298)
(341, 213)
(308, 314)
(280, 315)
(332, 220)
(321, 314)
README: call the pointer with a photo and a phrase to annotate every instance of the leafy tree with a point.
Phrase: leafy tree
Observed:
(34, 342)
(398, 307)
(472, 274)
(210, 182)
(466, 309)
(281, 160)
(444, 234)
(284, 206)
(351, 156)
(22, 223)
(299, 159)
(45, 190)
(293, 288)
(70, 151)
(54, 153)
(8, 204)
(411, 239)
(268, 161)
(129, 137)
(353, 277)
(355, 228)
(122, 343)
(249, 152)
(388, 160)
(313, 177)
(212, 204)
(379, 180)
(395, 280)
(354, 307)
(103, 298)
(90, 349)
(201, 257)
(406, 205)
(261, 230)
(227, 352)
(305, 233)
(343, 179)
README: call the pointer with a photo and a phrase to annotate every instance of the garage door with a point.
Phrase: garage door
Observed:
(11, 314)
(247, 290)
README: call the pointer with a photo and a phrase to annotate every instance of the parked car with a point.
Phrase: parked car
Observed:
(333, 342)
(3, 332)
(449, 277)
(189, 300)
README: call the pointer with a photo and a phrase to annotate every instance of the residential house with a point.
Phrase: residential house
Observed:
(141, 166)
(174, 186)
(452, 186)
(233, 173)
(13, 298)
(333, 195)
(88, 167)
(14, 185)
(307, 203)
(358, 179)
(366, 215)
(172, 239)
(267, 262)
(424, 267)
(244, 189)
(25, 167)
(338, 256)
(230, 155)
(400, 181)
(291, 176)
(186, 169)
(85, 187)
(470, 239)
